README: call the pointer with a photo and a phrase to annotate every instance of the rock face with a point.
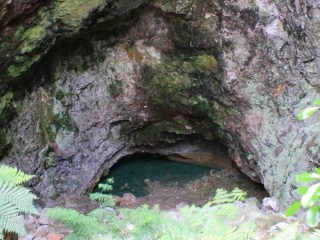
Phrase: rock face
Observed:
(85, 84)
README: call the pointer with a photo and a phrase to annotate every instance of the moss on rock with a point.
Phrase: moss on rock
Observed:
(73, 12)
(5, 140)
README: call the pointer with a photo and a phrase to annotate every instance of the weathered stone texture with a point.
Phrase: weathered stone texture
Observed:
(113, 78)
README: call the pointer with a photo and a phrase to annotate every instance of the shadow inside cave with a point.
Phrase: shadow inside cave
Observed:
(154, 179)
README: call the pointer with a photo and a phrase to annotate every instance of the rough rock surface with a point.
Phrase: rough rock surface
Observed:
(83, 85)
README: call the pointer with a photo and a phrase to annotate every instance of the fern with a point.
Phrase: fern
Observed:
(222, 196)
(207, 222)
(105, 187)
(13, 175)
(14, 200)
(85, 227)
(105, 199)
(19, 197)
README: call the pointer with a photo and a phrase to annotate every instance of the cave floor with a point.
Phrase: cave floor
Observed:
(169, 192)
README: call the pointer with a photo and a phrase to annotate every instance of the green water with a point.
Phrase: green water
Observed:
(129, 174)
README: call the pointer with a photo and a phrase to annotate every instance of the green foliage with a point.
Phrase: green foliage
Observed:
(104, 199)
(310, 198)
(84, 227)
(207, 222)
(222, 196)
(309, 111)
(115, 88)
(290, 232)
(14, 200)
(215, 223)
(13, 175)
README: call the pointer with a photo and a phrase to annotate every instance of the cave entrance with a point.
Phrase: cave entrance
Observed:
(154, 179)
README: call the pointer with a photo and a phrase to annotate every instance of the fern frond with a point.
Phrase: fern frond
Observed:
(18, 196)
(105, 187)
(228, 210)
(98, 213)
(85, 226)
(10, 219)
(13, 175)
(14, 200)
(222, 196)
(105, 199)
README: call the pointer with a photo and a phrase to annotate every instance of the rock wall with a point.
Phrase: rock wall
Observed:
(83, 85)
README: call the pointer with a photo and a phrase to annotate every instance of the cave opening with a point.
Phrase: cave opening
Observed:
(155, 179)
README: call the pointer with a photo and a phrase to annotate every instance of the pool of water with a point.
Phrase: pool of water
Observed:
(130, 174)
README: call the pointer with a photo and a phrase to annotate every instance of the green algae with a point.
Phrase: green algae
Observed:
(5, 139)
(49, 160)
(9, 104)
(115, 88)
(46, 116)
(30, 40)
(22, 66)
(6, 102)
(50, 122)
(181, 82)
(73, 12)
(35, 41)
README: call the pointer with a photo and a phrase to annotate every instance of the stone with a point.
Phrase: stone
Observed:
(253, 201)
(279, 226)
(41, 231)
(55, 236)
(270, 204)
(214, 73)
(27, 237)
(127, 200)
(43, 219)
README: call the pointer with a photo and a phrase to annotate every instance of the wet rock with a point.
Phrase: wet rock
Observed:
(83, 85)
(42, 227)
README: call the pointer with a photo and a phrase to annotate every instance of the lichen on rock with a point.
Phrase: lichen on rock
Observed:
(85, 83)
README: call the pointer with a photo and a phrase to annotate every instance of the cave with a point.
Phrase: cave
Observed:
(85, 85)
(168, 181)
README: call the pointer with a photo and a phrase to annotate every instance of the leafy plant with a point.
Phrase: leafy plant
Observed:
(84, 227)
(310, 197)
(15, 200)
(215, 220)
(309, 111)
(104, 199)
